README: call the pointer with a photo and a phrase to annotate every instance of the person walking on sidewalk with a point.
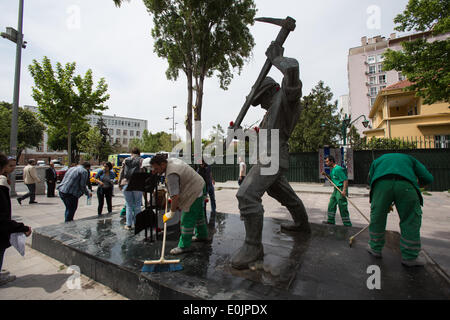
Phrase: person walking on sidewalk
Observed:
(50, 178)
(396, 178)
(30, 179)
(133, 199)
(7, 225)
(205, 171)
(242, 170)
(72, 187)
(186, 188)
(105, 180)
(338, 199)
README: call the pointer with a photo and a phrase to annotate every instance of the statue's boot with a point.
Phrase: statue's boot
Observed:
(300, 218)
(252, 250)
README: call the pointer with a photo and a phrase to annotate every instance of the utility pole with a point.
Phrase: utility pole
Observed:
(17, 37)
(173, 126)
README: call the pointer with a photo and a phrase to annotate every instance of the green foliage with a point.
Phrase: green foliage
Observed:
(63, 99)
(160, 141)
(30, 129)
(91, 142)
(57, 138)
(319, 123)
(383, 144)
(425, 64)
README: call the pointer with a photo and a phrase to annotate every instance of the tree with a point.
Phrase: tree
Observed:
(160, 141)
(30, 129)
(319, 122)
(425, 64)
(91, 142)
(201, 38)
(63, 99)
(105, 148)
(58, 139)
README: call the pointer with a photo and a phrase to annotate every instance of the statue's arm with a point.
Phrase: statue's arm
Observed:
(288, 66)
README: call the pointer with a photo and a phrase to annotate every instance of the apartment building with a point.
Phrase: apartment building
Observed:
(366, 76)
(121, 129)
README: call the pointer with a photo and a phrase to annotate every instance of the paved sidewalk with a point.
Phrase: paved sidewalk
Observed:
(40, 277)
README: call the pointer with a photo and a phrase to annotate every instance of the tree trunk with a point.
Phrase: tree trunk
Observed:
(199, 100)
(189, 108)
(69, 142)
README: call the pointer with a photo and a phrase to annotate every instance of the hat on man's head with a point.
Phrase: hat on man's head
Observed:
(267, 84)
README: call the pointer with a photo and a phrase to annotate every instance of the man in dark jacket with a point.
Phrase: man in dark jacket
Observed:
(396, 177)
(7, 226)
(50, 177)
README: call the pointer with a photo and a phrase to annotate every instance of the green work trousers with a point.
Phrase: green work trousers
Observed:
(193, 220)
(337, 199)
(407, 202)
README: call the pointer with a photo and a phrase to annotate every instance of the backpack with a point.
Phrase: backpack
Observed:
(132, 165)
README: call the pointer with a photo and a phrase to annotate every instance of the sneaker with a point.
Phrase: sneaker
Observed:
(19, 201)
(417, 262)
(374, 253)
(127, 227)
(6, 279)
(4, 273)
(179, 250)
(195, 239)
(33, 202)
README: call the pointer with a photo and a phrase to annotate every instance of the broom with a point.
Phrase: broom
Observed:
(162, 265)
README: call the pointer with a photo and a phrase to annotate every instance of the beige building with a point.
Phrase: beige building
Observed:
(397, 113)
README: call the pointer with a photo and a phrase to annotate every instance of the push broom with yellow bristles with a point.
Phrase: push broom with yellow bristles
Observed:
(162, 265)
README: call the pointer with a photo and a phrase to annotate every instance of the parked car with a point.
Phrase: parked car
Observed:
(19, 173)
(60, 172)
(56, 162)
(40, 163)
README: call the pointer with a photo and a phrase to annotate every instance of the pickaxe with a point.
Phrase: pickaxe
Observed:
(287, 25)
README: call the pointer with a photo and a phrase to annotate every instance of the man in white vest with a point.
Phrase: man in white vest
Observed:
(186, 189)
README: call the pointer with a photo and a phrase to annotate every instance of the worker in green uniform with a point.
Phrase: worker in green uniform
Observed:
(339, 178)
(395, 178)
(186, 189)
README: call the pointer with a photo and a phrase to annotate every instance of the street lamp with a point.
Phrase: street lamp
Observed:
(16, 37)
(173, 126)
(347, 124)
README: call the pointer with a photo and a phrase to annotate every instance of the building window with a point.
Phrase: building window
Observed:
(382, 79)
(138, 134)
(442, 142)
(118, 132)
(380, 58)
(371, 59)
(372, 69)
(125, 132)
(372, 101)
(125, 141)
(131, 133)
(118, 140)
(401, 77)
(373, 80)
(111, 132)
(373, 91)
(380, 67)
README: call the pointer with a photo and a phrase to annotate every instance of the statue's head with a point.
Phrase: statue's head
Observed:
(265, 92)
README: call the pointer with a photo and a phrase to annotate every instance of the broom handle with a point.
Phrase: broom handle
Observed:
(347, 199)
(164, 235)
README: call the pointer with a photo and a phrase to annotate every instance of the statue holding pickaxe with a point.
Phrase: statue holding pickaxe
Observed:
(282, 104)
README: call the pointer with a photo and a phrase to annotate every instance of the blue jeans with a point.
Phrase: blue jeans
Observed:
(133, 201)
(71, 203)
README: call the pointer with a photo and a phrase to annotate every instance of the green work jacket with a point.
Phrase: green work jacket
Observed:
(338, 176)
(402, 165)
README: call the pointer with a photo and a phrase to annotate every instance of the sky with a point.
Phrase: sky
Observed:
(116, 44)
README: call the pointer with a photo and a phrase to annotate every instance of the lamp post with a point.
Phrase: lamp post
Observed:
(173, 126)
(347, 124)
(17, 37)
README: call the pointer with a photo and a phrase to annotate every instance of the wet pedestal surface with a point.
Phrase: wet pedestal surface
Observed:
(320, 265)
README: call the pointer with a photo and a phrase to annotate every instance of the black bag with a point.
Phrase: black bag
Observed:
(132, 165)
